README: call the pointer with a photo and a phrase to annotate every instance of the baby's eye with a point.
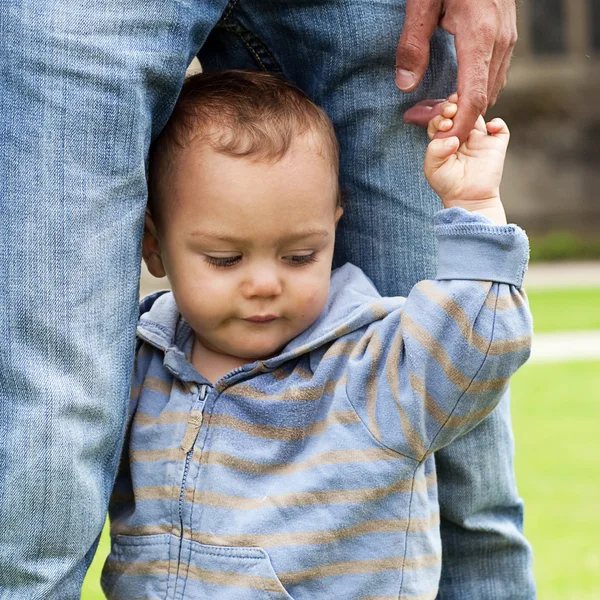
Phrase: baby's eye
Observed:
(301, 259)
(224, 261)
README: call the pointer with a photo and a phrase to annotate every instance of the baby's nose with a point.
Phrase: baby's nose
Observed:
(263, 282)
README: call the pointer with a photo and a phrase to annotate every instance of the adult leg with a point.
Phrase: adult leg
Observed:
(85, 86)
(342, 54)
(485, 555)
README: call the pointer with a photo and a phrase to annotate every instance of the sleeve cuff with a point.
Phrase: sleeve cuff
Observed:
(471, 246)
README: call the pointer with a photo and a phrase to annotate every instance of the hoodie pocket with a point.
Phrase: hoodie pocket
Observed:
(235, 573)
(151, 566)
(140, 567)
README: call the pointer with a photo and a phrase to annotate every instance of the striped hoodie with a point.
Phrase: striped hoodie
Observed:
(311, 475)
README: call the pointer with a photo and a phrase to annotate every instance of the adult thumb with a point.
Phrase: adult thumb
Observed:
(412, 55)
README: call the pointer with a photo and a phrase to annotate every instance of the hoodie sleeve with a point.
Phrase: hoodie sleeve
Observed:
(428, 373)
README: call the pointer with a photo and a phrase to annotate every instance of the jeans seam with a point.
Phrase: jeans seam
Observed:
(228, 9)
(251, 41)
(255, 53)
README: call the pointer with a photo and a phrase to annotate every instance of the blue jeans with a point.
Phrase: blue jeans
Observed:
(85, 88)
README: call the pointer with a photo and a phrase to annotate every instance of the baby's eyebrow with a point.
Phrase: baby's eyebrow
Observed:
(218, 235)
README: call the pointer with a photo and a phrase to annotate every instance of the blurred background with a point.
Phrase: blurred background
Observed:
(551, 104)
(551, 188)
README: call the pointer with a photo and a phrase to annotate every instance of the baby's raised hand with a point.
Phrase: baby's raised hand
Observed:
(467, 175)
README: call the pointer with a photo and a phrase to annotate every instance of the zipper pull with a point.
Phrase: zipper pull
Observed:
(193, 424)
(191, 431)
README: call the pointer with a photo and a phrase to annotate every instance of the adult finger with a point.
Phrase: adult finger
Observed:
(421, 113)
(495, 63)
(501, 78)
(474, 55)
(412, 54)
(506, 39)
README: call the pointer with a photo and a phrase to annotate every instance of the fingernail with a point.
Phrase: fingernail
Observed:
(449, 142)
(405, 80)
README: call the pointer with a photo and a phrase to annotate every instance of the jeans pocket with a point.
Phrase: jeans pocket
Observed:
(235, 573)
(138, 566)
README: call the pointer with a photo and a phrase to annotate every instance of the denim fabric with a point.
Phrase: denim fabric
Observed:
(484, 553)
(85, 87)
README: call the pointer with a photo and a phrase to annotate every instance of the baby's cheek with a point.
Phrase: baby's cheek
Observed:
(311, 300)
(203, 307)
(214, 292)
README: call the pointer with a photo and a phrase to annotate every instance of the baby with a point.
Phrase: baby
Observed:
(283, 417)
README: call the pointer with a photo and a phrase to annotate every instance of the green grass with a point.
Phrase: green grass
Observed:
(556, 411)
(565, 310)
(564, 245)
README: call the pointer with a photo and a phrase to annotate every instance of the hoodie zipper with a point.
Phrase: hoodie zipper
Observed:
(189, 440)
(187, 444)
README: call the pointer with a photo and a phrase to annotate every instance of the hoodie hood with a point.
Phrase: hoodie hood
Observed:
(353, 302)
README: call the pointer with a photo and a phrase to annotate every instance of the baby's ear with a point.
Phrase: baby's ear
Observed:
(151, 248)
(339, 211)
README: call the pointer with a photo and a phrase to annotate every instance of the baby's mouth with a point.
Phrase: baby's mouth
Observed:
(261, 318)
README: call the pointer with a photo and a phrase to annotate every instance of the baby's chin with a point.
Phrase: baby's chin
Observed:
(253, 350)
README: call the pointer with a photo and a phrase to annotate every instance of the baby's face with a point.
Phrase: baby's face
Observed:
(247, 246)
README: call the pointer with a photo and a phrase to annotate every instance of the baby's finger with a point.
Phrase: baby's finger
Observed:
(438, 123)
(453, 98)
(498, 128)
(439, 151)
(449, 109)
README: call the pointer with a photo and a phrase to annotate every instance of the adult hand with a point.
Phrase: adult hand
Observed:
(485, 33)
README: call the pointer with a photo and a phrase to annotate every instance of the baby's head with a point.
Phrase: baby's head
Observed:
(244, 201)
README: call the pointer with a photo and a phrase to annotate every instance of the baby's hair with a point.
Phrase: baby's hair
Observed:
(248, 114)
